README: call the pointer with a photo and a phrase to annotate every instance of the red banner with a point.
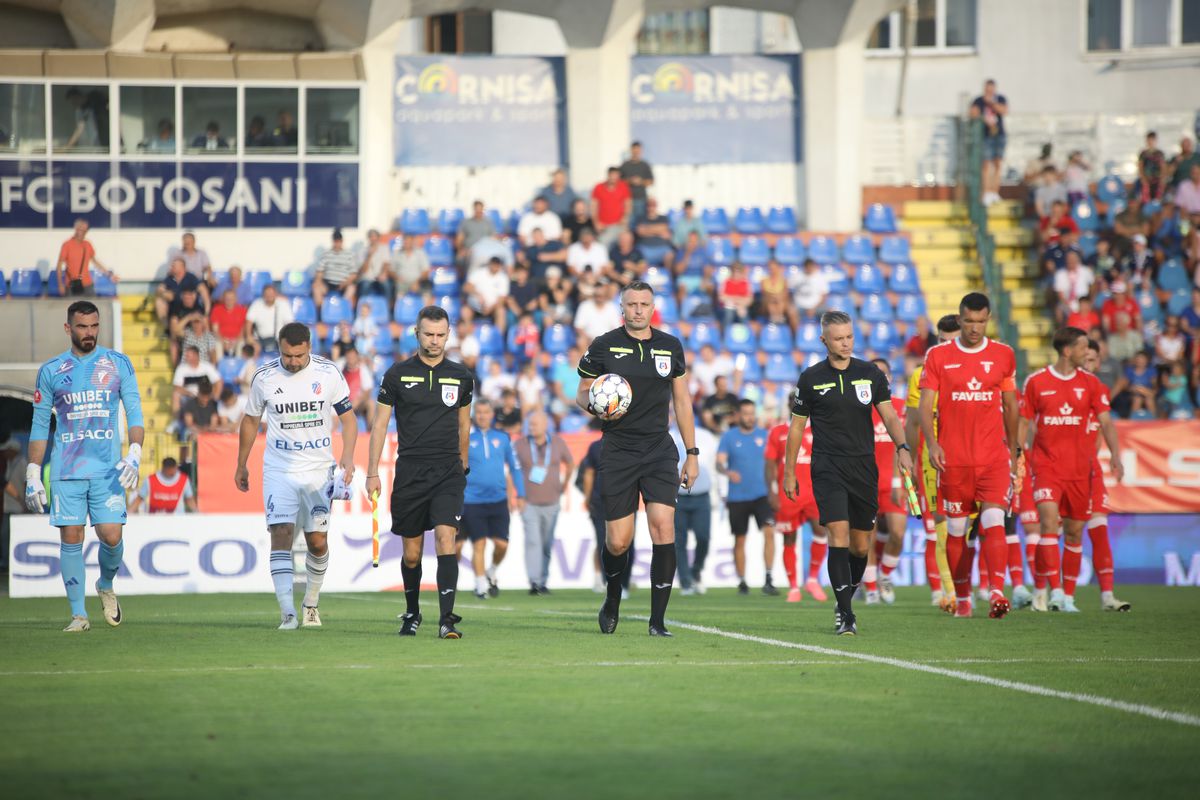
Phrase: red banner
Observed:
(1162, 469)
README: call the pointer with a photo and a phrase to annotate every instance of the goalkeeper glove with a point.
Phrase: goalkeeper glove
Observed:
(35, 492)
(337, 488)
(129, 467)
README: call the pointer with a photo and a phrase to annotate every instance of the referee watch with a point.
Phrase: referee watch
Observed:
(903, 446)
(692, 451)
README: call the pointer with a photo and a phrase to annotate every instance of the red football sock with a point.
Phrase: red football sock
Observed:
(789, 564)
(816, 557)
(994, 551)
(960, 558)
(1016, 566)
(982, 571)
(1031, 543)
(888, 564)
(1102, 557)
(931, 568)
(1049, 556)
(1072, 561)
(879, 543)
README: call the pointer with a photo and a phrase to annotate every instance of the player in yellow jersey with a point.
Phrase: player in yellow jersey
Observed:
(937, 568)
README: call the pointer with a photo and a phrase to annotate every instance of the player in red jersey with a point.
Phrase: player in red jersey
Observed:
(892, 520)
(970, 384)
(1027, 516)
(1060, 400)
(1102, 557)
(790, 515)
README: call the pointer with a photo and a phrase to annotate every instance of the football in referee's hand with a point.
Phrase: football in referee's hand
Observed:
(610, 396)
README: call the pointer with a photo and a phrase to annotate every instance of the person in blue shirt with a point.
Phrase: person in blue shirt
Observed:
(485, 502)
(693, 512)
(740, 457)
(84, 388)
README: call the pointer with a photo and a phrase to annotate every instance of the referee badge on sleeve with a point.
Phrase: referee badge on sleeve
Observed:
(663, 365)
(450, 395)
(863, 391)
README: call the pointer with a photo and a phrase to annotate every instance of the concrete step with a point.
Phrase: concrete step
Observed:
(132, 302)
(1018, 268)
(926, 256)
(945, 286)
(933, 209)
(152, 362)
(942, 237)
(960, 268)
(925, 223)
(1017, 237)
(149, 331)
(1005, 209)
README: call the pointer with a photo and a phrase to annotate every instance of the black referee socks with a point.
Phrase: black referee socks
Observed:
(614, 569)
(412, 586)
(839, 577)
(858, 566)
(662, 574)
(447, 582)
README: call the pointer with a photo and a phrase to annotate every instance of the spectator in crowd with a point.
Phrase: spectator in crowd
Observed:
(598, 314)
(171, 288)
(555, 300)
(991, 107)
(524, 296)
(198, 334)
(361, 383)
(526, 343)
(540, 216)
(256, 133)
(922, 339)
(638, 175)
(1076, 176)
(198, 412)
(1070, 284)
(285, 133)
(265, 317)
(1139, 269)
(496, 382)
(1176, 402)
(365, 328)
(775, 296)
(1034, 169)
(546, 464)
(487, 291)
(466, 344)
(73, 268)
(13, 479)
(1120, 302)
(736, 296)
(249, 367)
(1128, 224)
(211, 139)
(1125, 339)
(1139, 381)
(692, 270)
(1170, 345)
(229, 321)
(484, 250)
(687, 224)
(91, 120)
(541, 254)
(564, 382)
(508, 413)
(1057, 224)
(168, 491)
(1084, 317)
(810, 290)
(531, 387)
(719, 407)
(1151, 167)
(230, 410)
(195, 260)
(625, 261)
(705, 369)
(1167, 226)
(335, 272)
(579, 218)
(1187, 193)
(189, 373)
(235, 280)
(342, 340)
(1190, 317)
(375, 276)
(1181, 165)
(653, 231)
(164, 138)
(186, 308)
(412, 267)
(693, 512)
(559, 195)
(1108, 368)
(587, 254)
(1102, 262)
(471, 230)
(611, 207)
(1050, 190)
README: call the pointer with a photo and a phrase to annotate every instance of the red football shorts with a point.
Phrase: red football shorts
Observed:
(792, 514)
(1073, 498)
(1029, 515)
(886, 506)
(963, 489)
(1099, 491)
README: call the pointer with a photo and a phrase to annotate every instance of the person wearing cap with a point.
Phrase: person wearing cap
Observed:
(335, 272)
(1139, 267)
(1120, 303)
(539, 217)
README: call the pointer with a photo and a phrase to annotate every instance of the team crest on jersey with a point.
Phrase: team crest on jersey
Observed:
(1079, 392)
(450, 395)
(863, 391)
(987, 366)
(101, 376)
(663, 365)
(316, 387)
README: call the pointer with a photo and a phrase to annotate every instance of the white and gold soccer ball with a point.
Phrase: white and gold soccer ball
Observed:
(610, 396)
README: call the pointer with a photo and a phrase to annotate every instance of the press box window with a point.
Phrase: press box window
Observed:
(271, 121)
(209, 120)
(148, 120)
(332, 121)
(22, 118)
(80, 116)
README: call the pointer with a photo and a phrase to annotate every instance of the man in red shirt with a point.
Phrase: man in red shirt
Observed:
(612, 204)
(74, 259)
(892, 521)
(790, 515)
(970, 384)
(1119, 303)
(1060, 400)
(229, 321)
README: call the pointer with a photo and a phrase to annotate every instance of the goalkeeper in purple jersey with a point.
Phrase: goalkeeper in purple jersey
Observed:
(84, 388)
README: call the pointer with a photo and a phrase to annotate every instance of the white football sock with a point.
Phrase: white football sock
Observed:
(283, 576)
(315, 567)
(481, 584)
(491, 572)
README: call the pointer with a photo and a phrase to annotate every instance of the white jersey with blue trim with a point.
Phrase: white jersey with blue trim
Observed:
(299, 408)
(85, 394)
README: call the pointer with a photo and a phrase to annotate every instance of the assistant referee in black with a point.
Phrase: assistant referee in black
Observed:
(639, 456)
(838, 394)
(431, 398)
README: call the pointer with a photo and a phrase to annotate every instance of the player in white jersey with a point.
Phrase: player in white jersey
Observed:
(299, 394)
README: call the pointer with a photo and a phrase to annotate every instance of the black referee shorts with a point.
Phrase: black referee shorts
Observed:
(846, 490)
(650, 470)
(426, 495)
(740, 512)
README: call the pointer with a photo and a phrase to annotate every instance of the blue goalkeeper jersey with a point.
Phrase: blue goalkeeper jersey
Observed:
(85, 393)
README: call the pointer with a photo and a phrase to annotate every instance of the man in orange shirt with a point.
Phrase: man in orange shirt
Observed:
(76, 255)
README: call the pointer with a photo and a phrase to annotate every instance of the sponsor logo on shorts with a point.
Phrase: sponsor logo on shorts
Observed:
(319, 515)
(115, 503)
(952, 508)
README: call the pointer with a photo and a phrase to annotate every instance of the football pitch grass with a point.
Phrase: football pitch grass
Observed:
(199, 696)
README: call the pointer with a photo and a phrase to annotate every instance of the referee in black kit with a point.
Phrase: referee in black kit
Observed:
(639, 455)
(838, 394)
(431, 398)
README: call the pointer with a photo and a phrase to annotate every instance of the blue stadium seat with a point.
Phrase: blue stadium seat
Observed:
(451, 305)
(296, 283)
(808, 337)
(858, 249)
(1085, 215)
(720, 251)
(667, 307)
(448, 221)
(781, 219)
(868, 279)
(26, 283)
(754, 251)
(1087, 244)
(497, 221)
(697, 307)
(384, 343)
(813, 359)
(3, 285)
(1114, 208)
(558, 339)
(789, 250)
(839, 302)
(836, 277)
(1148, 303)
(756, 275)
(749, 220)
(1172, 277)
(408, 341)
(739, 338)
(440, 251)
(407, 308)
(882, 338)
(103, 284)
(716, 222)
(573, 423)
(659, 278)
(52, 287)
(444, 280)
(1110, 188)
(781, 368)
(491, 342)
(910, 307)
(880, 219)
(904, 279)
(877, 308)
(378, 307)
(895, 250)
(654, 254)
(414, 222)
(823, 250)
(229, 368)
(704, 333)
(1151, 208)
(775, 338)
(512, 223)
(304, 310)
(336, 309)
(749, 367)
(673, 217)
(667, 327)
(256, 281)
(1179, 301)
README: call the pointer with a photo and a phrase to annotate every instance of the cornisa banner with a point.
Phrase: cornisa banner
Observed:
(479, 111)
(716, 109)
